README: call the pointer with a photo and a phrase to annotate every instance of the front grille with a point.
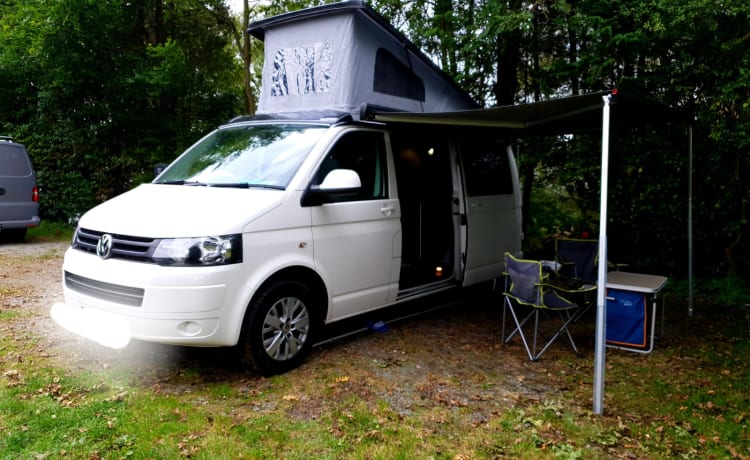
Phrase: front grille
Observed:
(125, 295)
(123, 247)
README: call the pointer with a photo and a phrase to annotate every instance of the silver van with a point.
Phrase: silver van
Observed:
(19, 193)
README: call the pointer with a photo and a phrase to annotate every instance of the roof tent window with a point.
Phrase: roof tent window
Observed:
(394, 78)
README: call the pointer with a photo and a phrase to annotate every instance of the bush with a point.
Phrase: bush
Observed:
(65, 195)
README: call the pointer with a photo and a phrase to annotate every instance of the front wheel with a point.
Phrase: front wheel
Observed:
(279, 327)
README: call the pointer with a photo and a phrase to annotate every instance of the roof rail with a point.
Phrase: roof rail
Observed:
(6, 138)
(240, 118)
(345, 118)
(326, 116)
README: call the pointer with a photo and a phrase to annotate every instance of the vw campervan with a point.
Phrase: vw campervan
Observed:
(270, 227)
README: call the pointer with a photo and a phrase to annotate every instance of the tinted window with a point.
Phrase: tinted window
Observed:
(395, 78)
(364, 153)
(487, 168)
(13, 161)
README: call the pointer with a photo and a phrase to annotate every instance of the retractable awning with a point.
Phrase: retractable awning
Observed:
(570, 115)
(567, 115)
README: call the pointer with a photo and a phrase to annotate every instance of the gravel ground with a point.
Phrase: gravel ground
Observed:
(449, 357)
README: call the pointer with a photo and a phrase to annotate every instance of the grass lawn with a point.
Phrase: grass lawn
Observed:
(434, 387)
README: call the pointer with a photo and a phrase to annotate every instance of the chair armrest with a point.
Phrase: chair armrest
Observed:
(617, 267)
(570, 286)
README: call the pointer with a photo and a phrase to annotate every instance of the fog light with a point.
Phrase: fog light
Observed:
(189, 328)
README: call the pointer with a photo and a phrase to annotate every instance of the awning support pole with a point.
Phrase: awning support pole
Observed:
(601, 291)
(690, 220)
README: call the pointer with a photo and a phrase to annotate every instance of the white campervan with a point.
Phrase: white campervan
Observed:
(268, 228)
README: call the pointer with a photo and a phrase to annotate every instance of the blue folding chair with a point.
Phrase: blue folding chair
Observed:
(527, 288)
(579, 260)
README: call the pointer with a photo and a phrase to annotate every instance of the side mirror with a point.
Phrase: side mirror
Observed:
(341, 180)
(339, 183)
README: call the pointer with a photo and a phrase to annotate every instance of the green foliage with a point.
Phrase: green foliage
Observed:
(67, 194)
(727, 291)
(101, 91)
(51, 230)
(553, 214)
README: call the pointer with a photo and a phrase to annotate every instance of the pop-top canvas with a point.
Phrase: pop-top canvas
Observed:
(342, 56)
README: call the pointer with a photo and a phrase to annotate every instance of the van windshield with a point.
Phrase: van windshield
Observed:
(244, 156)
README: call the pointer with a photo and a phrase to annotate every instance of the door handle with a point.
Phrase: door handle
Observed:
(387, 210)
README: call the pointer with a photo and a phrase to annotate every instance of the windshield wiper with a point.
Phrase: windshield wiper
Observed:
(245, 185)
(182, 182)
(221, 184)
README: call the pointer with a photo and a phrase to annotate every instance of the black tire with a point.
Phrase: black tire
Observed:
(13, 235)
(279, 326)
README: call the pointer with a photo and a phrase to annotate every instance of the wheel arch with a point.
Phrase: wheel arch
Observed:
(249, 343)
(304, 275)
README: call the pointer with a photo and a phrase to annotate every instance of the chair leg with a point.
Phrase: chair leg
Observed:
(519, 328)
(519, 324)
(571, 319)
(536, 333)
(566, 318)
(505, 308)
(560, 330)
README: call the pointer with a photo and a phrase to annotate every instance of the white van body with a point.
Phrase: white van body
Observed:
(358, 217)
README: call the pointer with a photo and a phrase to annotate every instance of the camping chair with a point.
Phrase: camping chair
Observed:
(526, 287)
(578, 260)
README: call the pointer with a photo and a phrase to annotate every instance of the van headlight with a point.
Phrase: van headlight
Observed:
(202, 251)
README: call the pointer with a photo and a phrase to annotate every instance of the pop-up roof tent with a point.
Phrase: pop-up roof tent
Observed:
(337, 57)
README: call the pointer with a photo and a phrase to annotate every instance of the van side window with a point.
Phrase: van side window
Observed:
(364, 153)
(487, 167)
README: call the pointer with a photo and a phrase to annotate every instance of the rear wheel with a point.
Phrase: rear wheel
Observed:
(13, 235)
(279, 327)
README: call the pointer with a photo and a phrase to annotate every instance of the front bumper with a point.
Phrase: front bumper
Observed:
(174, 305)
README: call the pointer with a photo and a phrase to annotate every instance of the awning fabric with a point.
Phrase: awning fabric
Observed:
(566, 115)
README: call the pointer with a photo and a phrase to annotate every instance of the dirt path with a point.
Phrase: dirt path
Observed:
(30, 276)
(451, 357)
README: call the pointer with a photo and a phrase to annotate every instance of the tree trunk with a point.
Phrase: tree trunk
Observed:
(247, 59)
(508, 57)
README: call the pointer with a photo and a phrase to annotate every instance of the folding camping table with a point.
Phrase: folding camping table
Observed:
(627, 297)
